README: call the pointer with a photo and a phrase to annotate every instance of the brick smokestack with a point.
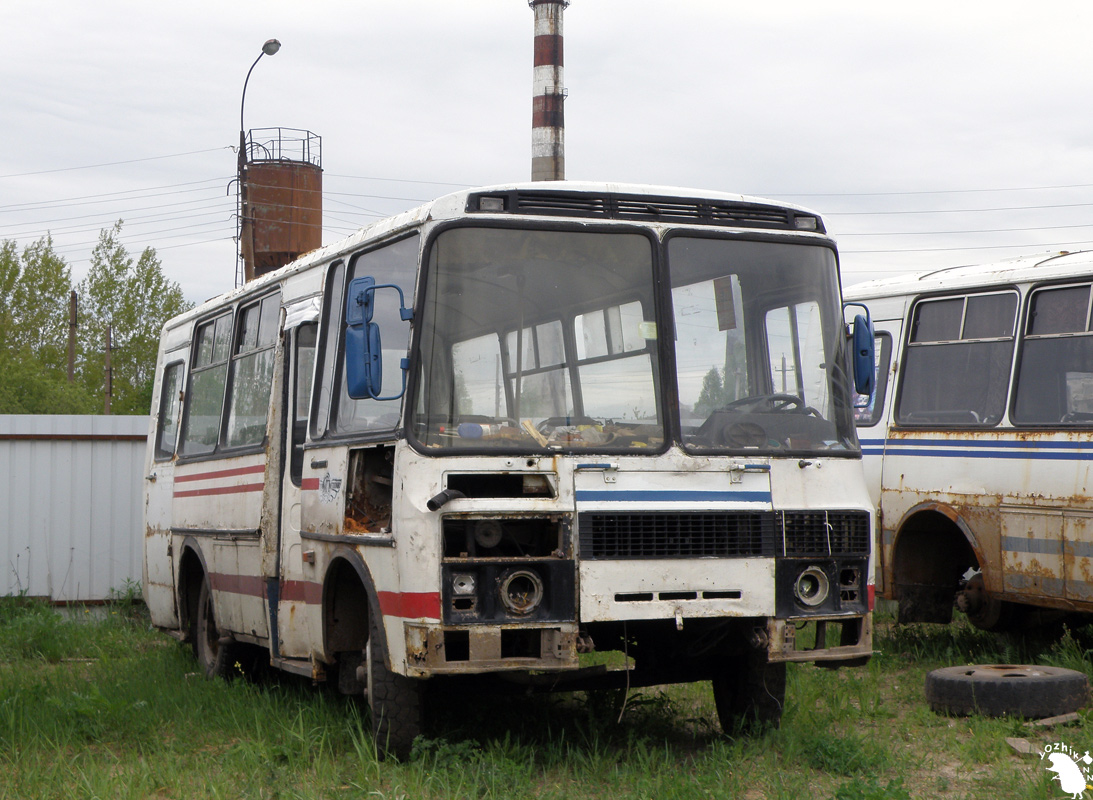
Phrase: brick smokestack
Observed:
(547, 115)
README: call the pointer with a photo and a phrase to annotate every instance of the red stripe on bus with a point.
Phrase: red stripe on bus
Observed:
(240, 489)
(310, 484)
(302, 592)
(872, 596)
(410, 604)
(223, 473)
(250, 585)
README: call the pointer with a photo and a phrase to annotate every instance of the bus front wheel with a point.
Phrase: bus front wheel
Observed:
(395, 700)
(750, 693)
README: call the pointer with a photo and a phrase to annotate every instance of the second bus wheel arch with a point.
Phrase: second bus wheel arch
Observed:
(933, 550)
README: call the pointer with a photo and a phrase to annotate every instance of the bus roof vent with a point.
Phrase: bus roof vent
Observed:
(560, 203)
(650, 208)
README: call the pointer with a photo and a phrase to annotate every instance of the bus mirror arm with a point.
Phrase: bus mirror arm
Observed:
(863, 343)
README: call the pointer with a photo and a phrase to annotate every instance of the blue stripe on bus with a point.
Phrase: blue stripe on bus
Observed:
(998, 443)
(1040, 547)
(1054, 547)
(672, 497)
(947, 448)
(958, 453)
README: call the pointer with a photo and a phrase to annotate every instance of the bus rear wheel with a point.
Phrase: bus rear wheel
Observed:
(216, 656)
(983, 610)
(750, 694)
(396, 701)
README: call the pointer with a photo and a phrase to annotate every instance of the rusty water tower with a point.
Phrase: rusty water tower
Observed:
(547, 104)
(280, 193)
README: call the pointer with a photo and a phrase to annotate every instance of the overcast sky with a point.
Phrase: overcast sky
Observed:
(926, 133)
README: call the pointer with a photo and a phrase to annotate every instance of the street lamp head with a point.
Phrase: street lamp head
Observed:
(271, 46)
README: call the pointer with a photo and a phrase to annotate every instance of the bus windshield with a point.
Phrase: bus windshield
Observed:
(539, 339)
(759, 356)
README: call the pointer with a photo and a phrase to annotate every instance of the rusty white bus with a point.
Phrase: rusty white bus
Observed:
(508, 428)
(979, 441)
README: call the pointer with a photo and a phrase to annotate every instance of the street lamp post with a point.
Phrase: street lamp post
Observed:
(268, 49)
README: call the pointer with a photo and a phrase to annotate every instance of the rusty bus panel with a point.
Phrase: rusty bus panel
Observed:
(983, 476)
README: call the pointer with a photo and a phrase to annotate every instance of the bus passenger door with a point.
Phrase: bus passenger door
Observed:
(298, 586)
(871, 416)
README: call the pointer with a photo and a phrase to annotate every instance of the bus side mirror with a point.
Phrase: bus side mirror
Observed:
(864, 358)
(363, 348)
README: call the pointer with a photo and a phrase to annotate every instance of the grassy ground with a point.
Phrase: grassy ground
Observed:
(106, 708)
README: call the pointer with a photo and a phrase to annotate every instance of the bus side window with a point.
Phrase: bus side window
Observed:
(252, 372)
(170, 403)
(869, 410)
(795, 347)
(956, 365)
(477, 368)
(395, 263)
(303, 375)
(205, 400)
(1054, 384)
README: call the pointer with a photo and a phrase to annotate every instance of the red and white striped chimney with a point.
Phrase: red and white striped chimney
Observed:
(547, 115)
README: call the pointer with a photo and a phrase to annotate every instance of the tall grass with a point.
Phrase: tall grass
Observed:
(100, 705)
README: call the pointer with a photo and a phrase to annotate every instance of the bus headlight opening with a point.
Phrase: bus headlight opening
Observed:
(463, 584)
(811, 587)
(521, 591)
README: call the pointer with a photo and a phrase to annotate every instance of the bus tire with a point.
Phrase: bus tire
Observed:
(983, 610)
(750, 694)
(215, 656)
(996, 690)
(396, 701)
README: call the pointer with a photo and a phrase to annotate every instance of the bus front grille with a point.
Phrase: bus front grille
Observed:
(677, 535)
(736, 534)
(821, 533)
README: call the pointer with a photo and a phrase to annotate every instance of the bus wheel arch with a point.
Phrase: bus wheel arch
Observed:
(348, 597)
(353, 637)
(933, 549)
(192, 573)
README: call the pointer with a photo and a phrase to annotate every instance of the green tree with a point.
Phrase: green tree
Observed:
(40, 305)
(134, 299)
(711, 396)
(34, 290)
(29, 387)
(9, 277)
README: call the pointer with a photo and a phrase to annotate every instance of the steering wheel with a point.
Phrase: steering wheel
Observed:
(770, 402)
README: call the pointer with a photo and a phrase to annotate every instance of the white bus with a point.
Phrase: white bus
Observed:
(978, 445)
(510, 427)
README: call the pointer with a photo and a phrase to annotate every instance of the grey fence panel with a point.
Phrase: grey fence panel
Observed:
(70, 504)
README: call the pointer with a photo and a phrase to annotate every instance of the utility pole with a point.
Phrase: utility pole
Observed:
(72, 337)
(109, 374)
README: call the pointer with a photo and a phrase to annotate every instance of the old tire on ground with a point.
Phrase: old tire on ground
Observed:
(216, 658)
(996, 690)
(750, 693)
(395, 700)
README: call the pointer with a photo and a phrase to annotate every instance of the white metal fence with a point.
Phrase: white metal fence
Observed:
(70, 504)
